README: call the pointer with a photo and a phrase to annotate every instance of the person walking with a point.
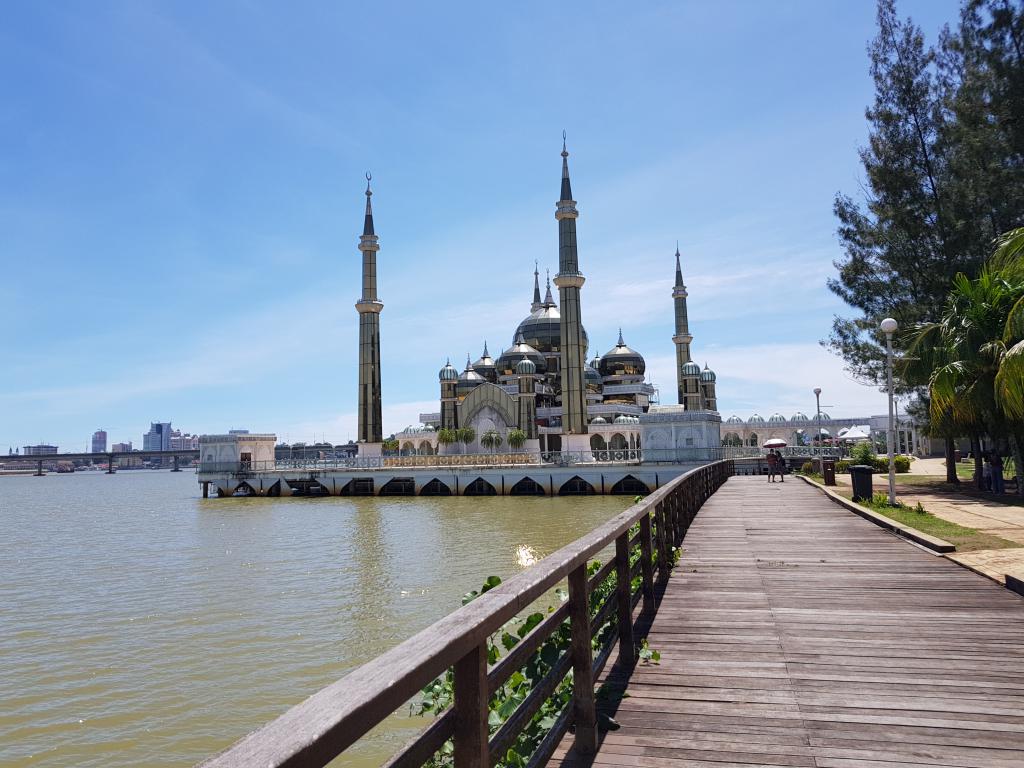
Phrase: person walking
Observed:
(780, 462)
(773, 466)
(986, 472)
(998, 485)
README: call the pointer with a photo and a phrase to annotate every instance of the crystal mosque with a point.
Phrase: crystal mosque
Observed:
(544, 385)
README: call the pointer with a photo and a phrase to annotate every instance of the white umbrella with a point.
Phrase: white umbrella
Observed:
(775, 442)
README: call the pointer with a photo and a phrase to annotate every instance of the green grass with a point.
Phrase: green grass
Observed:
(965, 539)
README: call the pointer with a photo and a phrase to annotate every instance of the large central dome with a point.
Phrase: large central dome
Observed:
(542, 330)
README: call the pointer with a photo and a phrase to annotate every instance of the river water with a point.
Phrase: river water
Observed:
(143, 625)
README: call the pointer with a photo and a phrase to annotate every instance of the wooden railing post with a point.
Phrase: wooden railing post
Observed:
(662, 537)
(646, 566)
(624, 596)
(584, 707)
(471, 709)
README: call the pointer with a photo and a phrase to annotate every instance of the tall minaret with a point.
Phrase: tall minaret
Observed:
(369, 308)
(682, 337)
(569, 281)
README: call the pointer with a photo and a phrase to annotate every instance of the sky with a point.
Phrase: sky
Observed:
(181, 196)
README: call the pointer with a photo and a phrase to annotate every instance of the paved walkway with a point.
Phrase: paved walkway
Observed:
(979, 512)
(794, 633)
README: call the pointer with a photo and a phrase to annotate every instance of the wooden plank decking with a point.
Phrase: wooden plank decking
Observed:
(794, 633)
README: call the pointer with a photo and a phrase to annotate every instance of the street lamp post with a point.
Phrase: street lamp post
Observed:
(889, 327)
(817, 402)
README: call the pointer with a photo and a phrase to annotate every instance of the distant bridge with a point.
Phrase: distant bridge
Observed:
(109, 456)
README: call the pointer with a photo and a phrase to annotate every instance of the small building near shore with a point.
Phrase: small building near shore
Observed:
(256, 450)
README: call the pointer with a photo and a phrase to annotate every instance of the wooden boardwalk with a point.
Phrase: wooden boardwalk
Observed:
(794, 633)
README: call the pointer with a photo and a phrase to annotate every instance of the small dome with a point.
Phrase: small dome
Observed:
(595, 363)
(469, 379)
(508, 359)
(799, 416)
(428, 428)
(448, 373)
(485, 364)
(707, 374)
(825, 416)
(526, 367)
(599, 420)
(776, 418)
(691, 369)
(622, 361)
(734, 420)
(755, 419)
(591, 375)
(621, 420)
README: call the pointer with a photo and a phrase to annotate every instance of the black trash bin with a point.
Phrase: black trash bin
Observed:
(860, 475)
(828, 469)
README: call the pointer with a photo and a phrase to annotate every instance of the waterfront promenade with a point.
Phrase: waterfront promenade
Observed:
(794, 633)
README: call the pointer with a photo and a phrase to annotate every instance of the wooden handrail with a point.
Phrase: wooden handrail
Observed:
(320, 728)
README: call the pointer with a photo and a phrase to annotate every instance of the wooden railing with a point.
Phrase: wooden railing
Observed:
(323, 726)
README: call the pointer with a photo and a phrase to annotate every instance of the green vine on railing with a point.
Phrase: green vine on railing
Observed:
(438, 696)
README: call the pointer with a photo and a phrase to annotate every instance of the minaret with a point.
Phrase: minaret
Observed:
(569, 281)
(682, 337)
(369, 308)
(536, 289)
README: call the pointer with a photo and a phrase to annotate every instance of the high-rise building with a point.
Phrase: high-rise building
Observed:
(121, 447)
(99, 441)
(39, 450)
(158, 438)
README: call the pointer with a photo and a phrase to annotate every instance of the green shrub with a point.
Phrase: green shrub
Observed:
(842, 467)
(807, 467)
(902, 463)
(863, 453)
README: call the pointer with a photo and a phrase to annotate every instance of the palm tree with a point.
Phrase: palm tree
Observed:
(516, 439)
(491, 439)
(466, 435)
(446, 436)
(972, 359)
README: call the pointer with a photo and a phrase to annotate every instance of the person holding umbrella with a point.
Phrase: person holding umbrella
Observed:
(776, 464)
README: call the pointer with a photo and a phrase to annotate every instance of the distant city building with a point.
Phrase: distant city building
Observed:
(121, 447)
(39, 450)
(158, 438)
(186, 442)
(99, 441)
(238, 431)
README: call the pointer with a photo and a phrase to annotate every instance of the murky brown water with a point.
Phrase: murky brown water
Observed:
(141, 625)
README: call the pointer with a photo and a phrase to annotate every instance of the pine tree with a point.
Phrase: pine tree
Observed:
(943, 172)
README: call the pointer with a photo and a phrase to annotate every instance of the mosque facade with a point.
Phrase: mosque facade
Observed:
(547, 385)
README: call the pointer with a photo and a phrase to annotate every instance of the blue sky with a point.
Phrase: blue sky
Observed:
(181, 197)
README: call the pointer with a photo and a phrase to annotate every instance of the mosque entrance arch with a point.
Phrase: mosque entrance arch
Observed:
(488, 396)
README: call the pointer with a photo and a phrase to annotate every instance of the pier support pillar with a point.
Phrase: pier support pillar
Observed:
(110, 464)
(176, 467)
(206, 489)
(39, 468)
